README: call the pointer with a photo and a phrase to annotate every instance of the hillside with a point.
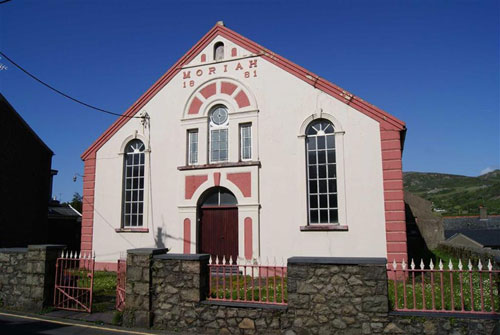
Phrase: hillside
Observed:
(458, 195)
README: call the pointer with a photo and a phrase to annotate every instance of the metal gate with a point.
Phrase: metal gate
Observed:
(74, 282)
(121, 275)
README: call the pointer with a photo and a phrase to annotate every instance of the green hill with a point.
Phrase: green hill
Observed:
(457, 195)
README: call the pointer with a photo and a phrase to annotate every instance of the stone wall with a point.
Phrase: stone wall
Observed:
(27, 277)
(138, 287)
(337, 295)
(325, 296)
(473, 253)
(434, 325)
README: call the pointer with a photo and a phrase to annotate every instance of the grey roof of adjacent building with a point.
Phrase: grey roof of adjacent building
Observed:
(483, 231)
(471, 222)
(63, 210)
(486, 237)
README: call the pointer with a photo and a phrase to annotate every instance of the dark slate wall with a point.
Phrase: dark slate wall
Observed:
(25, 181)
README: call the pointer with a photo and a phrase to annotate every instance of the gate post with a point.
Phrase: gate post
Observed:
(40, 274)
(137, 312)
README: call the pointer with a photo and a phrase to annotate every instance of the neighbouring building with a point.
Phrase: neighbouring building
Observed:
(237, 152)
(65, 225)
(26, 181)
(481, 231)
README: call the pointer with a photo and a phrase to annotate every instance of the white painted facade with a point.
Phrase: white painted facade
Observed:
(281, 107)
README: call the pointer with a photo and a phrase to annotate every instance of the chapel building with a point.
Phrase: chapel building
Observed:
(237, 152)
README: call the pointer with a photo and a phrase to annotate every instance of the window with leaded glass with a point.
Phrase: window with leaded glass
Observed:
(133, 184)
(321, 173)
(192, 146)
(246, 141)
(219, 124)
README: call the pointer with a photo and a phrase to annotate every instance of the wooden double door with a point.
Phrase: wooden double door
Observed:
(219, 231)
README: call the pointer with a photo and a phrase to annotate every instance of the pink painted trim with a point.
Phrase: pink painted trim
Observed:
(243, 180)
(227, 88)
(208, 91)
(217, 178)
(194, 108)
(132, 230)
(88, 204)
(106, 266)
(395, 218)
(234, 52)
(386, 120)
(192, 183)
(248, 238)
(187, 236)
(203, 58)
(242, 99)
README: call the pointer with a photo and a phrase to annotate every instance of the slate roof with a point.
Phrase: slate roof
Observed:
(471, 222)
(63, 210)
(487, 237)
(486, 232)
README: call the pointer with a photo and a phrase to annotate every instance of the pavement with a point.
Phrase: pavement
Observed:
(33, 324)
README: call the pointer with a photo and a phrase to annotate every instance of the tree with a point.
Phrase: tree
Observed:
(76, 202)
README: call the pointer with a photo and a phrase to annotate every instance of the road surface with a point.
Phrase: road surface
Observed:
(13, 324)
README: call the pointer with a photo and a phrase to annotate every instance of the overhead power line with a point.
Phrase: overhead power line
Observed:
(64, 94)
(4, 1)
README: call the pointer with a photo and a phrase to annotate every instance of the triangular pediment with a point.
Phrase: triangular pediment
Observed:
(242, 47)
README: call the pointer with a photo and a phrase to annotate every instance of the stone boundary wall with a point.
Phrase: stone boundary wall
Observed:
(27, 277)
(325, 296)
(472, 253)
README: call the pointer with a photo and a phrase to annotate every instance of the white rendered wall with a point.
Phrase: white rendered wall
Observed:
(279, 186)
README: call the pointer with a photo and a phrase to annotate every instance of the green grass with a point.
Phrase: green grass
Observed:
(443, 298)
(104, 293)
(236, 290)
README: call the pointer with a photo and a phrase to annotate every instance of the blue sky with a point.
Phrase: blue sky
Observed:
(433, 64)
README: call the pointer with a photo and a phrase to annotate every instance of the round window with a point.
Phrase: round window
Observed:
(219, 115)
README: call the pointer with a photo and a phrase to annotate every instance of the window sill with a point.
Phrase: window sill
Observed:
(218, 165)
(132, 230)
(324, 227)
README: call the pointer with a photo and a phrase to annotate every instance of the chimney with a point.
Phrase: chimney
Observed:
(483, 214)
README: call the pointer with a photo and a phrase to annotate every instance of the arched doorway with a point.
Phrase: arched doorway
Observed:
(218, 223)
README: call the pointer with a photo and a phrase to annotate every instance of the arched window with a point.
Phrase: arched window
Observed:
(219, 51)
(133, 184)
(219, 124)
(321, 173)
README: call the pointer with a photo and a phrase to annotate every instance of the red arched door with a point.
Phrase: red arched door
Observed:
(218, 218)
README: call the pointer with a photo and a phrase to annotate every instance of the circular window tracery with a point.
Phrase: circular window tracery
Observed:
(219, 115)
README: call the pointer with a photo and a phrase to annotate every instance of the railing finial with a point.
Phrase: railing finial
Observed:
(479, 265)
(490, 267)
(394, 265)
(431, 265)
(460, 266)
(422, 265)
(210, 260)
(450, 265)
(440, 265)
(469, 265)
(403, 264)
(217, 259)
(412, 264)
